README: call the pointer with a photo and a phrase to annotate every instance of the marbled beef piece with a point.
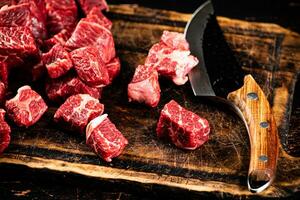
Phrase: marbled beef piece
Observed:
(25, 14)
(93, 34)
(58, 90)
(90, 67)
(61, 15)
(4, 132)
(96, 16)
(59, 38)
(87, 5)
(57, 61)
(171, 57)
(26, 108)
(17, 44)
(184, 128)
(104, 138)
(78, 110)
(144, 87)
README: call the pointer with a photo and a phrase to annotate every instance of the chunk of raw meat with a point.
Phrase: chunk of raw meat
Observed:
(61, 15)
(93, 34)
(57, 61)
(26, 108)
(172, 63)
(59, 38)
(78, 110)
(113, 68)
(2, 92)
(175, 40)
(184, 128)
(96, 16)
(87, 5)
(144, 87)
(25, 14)
(104, 138)
(4, 132)
(16, 43)
(90, 67)
(3, 73)
(60, 89)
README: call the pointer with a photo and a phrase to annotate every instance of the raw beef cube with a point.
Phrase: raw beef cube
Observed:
(61, 15)
(171, 57)
(59, 38)
(25, 14)
(96, 16)
(93, 34)
(38, 19)
(113, 68)
(184, 128)
(78, 110)
(57, 61)
(26, 108)
(144, 87)
(175, 40)
(87, 5)
(90, 67)
(60, 89)
(174, 64)
(16, 43)
(104, 138)
(4, 132)
(3, 73)
(2, 92)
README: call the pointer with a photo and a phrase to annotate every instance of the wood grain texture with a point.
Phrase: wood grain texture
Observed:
(256, 111)
(221, 165)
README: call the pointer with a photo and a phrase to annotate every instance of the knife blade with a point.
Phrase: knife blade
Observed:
(221, 79)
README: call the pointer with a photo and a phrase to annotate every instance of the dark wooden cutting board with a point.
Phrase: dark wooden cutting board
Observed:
(270, 53)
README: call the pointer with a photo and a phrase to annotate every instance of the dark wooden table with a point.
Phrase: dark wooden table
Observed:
(19, 182)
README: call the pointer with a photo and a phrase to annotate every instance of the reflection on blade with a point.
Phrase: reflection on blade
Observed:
(194, 34)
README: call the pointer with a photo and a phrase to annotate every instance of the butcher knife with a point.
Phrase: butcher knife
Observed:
(218, 78)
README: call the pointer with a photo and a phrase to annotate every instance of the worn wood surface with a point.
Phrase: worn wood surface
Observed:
(270, 53)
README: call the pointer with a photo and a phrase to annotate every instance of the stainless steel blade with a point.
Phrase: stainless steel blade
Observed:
(194, 31)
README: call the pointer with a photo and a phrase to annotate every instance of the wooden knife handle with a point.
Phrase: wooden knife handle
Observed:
(257, 114)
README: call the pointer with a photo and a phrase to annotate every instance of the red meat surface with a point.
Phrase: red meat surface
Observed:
(87, 5)
(58, 90)
(4, 132)
(59, 38)
(184, 128)
(96, 16)
(61, 15)
(90, 67)
(113, 68)
(144, 87)
(17, 43)
(57, 61)
(24, 14)
(26, 108)
(78, 110)
(92, 34)
(171, 58)
(104, 138)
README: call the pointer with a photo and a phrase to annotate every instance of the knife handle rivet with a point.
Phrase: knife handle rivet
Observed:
(263, 158)
(264, 124)
(252, 96)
